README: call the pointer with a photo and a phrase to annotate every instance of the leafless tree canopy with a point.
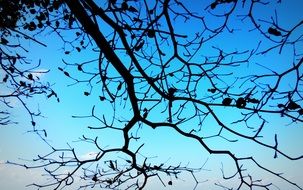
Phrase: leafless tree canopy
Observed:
(227, 66)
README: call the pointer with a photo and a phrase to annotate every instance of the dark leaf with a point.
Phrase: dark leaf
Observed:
(171, 91)
(4, 41)
(95, 178)
(33, 123)
(32, 26)
(32, 11)
(30, 76)
(241, 103)
(11, 69)
(45, 134)
(212, 90)
(132, 9)
(40, 25)
(253, 100)
(66, 73)
(274, 31)
(151, 33)
(102, 98)
(22, 83)
(60, 68)
(293, 105)
(57, 23)
(124, 6)
(213, 5)
(79, 67)
(66, 16)
(5, 78)
(170, 183)
(50, 95)
(78, 49)
(86, 93)
(227, 101)
(145, 114)
(161, 52)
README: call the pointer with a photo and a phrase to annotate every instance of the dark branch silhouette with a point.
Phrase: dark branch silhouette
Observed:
(19, 76)
(162, 63)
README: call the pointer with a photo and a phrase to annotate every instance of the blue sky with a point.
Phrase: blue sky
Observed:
(162, 145)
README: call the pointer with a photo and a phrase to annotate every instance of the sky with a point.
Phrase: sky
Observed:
(161, 145)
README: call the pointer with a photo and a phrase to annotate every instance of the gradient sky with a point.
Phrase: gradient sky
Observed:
(17, 144)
